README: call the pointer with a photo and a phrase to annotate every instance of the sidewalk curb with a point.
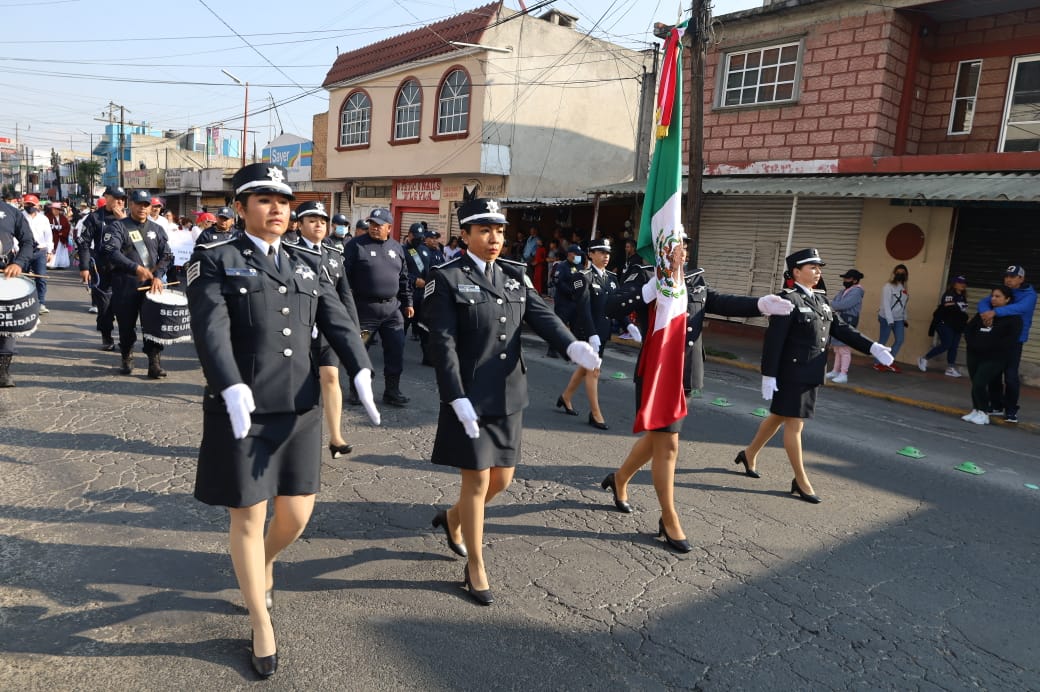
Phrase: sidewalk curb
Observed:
(884, 396)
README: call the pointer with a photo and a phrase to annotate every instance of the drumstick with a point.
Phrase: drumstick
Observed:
(148, 288)
(33, 276)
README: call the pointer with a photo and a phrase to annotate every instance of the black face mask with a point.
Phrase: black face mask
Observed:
(900, 277)
(848, 284)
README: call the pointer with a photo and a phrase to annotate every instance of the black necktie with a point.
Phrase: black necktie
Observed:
(489, 273)
(273, 255)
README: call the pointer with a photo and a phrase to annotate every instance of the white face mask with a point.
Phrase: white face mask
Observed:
(577, 260)
(340, 231)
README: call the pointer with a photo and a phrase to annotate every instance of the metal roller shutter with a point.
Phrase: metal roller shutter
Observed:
(323, 197)
(743, 239)
(410, 217)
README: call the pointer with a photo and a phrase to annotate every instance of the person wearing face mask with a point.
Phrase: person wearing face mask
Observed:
(340, 234)
(847, 303)
(571, 288)
(892, 314)
(948, 321)
(990, 348)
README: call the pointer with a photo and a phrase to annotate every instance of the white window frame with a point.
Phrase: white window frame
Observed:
(359, 125)
(457, 104)
(409, 115)
(723, 85)
(973, 98)
(1010, 97)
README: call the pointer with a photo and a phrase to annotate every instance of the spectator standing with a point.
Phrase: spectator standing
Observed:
(848, 302)
(892, 314)
(40, 228)
(540, 263)
(948, 322)
(1004, 395)
(990, 348)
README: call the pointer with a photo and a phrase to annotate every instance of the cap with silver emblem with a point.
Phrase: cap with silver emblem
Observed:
(261, 177)
(311, 209)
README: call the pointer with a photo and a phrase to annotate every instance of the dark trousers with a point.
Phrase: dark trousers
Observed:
(126, 303)
(38, 265)
(386, 320)
(949, 340)
(1004, 395)
(6, 345)
(101, 297)
(984, 373)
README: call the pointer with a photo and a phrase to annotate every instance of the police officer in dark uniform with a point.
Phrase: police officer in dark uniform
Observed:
(137, 250)
(420, 262)
(92, 269)
(340, 233)
(16, 252)
(594, 327)
(794, 361)
(475, 306)
(571, 289)
(433, 244)
(253, 308)
(223, 229)
(375, 266)
(312, 219)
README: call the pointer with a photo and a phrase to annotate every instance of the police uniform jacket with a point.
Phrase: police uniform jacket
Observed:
(212, 235)
(330, 263)
(377, 271)
(119, 248)
(795, 348)
(337, 244)
(475, 333)
(571, 289)
(89, 242)
(16, 240)
(701, 299)
(420, 261)
(600, 288)
(252, 324)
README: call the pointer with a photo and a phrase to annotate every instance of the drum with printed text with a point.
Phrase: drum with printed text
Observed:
(19, 308)
(165, 318)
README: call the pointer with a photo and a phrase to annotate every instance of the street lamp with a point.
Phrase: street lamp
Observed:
(245, 113)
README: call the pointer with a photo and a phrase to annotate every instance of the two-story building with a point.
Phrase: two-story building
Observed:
(880, 133)
(528, 110)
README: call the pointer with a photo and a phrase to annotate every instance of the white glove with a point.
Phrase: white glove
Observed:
(467, 416)
(238, 399)
(774, 305)
(363, 385)
(649, 291)
(582, 354)
(633, 331)
(882, 353)
(595, 343)
(769, 388)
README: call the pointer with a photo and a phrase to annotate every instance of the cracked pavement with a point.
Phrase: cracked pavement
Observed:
(909, 576)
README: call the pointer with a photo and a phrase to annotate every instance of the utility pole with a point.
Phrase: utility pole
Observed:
(697, 30)
(646, 121)
(122, 128)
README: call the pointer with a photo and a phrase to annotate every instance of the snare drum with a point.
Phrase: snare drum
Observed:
(19, 309)
(165, 318)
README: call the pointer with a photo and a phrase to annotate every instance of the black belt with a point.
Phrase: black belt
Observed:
(380, 300)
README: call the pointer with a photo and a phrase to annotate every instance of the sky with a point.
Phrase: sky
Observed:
(63, 61)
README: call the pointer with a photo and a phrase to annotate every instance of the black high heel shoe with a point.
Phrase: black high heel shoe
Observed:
(340, 450)
(797, 490)
(608, 484)
(682, 546)
(748, 471)
(484, 597)
(566, 409)
(265, 666)
(596, 424)
(441, 520)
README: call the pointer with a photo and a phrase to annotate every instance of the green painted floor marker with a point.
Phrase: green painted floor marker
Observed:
(1033, 486)
(760, 412)
(912, 452)
(618, 375)
(971, 468)
(721, 401)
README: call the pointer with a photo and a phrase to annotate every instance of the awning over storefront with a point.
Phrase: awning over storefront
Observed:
(973, 187)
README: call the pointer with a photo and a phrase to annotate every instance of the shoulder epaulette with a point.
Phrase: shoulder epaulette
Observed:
(302, 248)
(509, 261)
(788, 291)
(218, 243)
(819, 290)
(449, 262)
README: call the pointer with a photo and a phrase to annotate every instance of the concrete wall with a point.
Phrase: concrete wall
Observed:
(927, 270)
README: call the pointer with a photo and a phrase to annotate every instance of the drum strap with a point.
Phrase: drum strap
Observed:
(142, 250)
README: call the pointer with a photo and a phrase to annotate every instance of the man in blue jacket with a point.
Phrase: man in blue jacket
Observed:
(1024, 305)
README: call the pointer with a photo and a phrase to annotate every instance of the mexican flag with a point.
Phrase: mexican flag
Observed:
(660, 230)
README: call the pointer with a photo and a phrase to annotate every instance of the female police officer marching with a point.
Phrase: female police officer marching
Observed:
(794, 359)
(473, 307)
(253, 308)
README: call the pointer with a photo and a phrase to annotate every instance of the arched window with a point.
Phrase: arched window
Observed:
(453, 104)
(407, 111)
(355, 120)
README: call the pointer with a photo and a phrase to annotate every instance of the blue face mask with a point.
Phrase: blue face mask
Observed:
(577, 260)
(340, 231)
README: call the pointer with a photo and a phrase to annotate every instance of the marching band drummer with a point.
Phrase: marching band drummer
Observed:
(14, 230)
(253, 310)
(473, 307)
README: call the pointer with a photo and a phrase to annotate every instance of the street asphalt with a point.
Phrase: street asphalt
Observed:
(911, 574)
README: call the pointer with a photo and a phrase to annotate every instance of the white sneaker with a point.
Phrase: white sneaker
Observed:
(980, 418)
(971, 414)
(92, 310)
(953, 372)
(922, 364)
(840, 378)
(44, 310)
(831, 375)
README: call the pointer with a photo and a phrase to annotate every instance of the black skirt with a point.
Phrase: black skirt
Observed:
(498, 444)
(794, 400)
(281, 455)
(675, 427)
